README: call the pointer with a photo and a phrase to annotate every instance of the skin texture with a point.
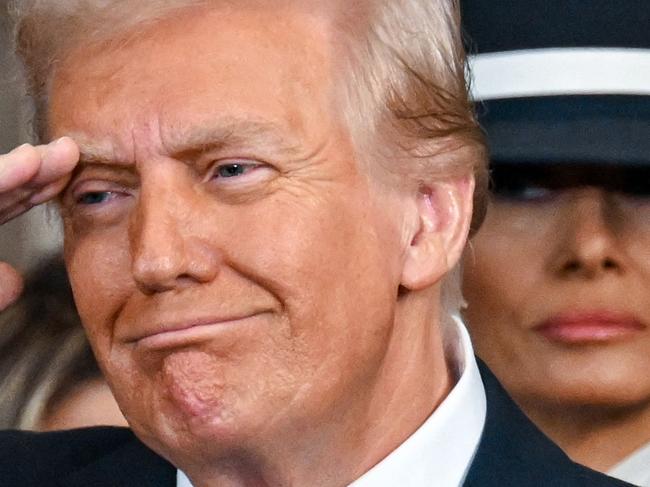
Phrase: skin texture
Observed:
(300, 363)
(89, 404)
(579, 253)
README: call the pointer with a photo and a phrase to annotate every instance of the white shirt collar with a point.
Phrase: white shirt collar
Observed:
(441, 451)
(634, 469)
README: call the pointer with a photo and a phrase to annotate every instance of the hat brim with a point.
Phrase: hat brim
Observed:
(600, 129)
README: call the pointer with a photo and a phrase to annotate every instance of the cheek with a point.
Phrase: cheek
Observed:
(328, 265)
(639, 251)
(99, 270)
(503, 274)
(307, 249)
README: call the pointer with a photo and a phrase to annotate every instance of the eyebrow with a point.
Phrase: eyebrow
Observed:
(198, 140)
(93, 154)
(229, 133)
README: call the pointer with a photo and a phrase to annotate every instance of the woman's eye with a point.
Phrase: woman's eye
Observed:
(534, 193)
(525, 193)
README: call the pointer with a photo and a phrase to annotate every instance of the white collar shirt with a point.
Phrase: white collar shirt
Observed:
(441, 450)
(634, 469)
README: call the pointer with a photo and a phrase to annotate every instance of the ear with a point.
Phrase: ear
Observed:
(444, 215)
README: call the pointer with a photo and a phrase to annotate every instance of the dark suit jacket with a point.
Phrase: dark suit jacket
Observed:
(512, 452)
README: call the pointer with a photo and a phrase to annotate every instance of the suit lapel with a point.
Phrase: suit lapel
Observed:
(512, 450)
(131, 465)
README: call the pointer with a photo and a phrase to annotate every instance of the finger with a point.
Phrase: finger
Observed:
(58, 159)
(13, 211)
(28, 198)
(16, 196)
(11, 285)
(49, 192)
(18, 167)
(31, 175)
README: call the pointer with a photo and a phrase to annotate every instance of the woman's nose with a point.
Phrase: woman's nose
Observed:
(589, 244)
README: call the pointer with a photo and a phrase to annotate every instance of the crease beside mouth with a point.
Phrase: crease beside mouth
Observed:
(172, 329)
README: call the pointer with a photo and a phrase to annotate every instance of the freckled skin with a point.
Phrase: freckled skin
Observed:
(321, 379)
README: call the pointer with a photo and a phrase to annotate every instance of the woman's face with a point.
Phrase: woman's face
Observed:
(558, 285)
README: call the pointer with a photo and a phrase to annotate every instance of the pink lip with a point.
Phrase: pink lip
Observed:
(191, 331)
(590, 327)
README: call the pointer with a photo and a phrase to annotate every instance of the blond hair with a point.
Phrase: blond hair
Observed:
(408, 87)
(405, 93)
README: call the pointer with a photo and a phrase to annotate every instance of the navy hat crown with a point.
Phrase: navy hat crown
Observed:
(504, 25)
(561, 81)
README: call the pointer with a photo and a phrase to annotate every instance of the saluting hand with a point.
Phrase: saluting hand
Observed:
(29, 176)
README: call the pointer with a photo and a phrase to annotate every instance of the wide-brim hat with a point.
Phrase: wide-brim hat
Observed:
(561, 80)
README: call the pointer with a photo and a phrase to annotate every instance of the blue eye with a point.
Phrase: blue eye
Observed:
(534, 193)
(94, 198)
(239, 174)
(232, 170)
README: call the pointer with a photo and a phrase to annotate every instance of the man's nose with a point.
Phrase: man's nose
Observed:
(168, 249)
(589, 243)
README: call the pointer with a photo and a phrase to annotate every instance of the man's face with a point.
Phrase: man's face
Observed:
(235, 268)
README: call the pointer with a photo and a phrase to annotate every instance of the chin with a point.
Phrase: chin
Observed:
(592, 385)
(170, 423)
(183, 439)
(555, 377)
(584, 394)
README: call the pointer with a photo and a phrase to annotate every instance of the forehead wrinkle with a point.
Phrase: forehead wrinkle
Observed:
(203, 138)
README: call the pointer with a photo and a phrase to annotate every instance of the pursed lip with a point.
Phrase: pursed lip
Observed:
(600, 326)
(169, 334)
